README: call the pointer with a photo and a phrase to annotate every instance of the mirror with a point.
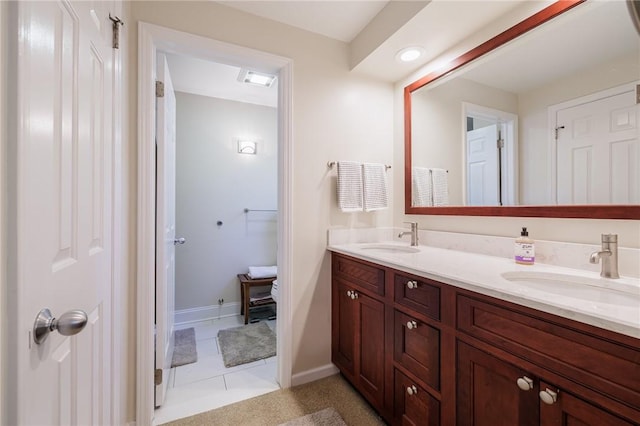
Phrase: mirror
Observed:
(502, 130)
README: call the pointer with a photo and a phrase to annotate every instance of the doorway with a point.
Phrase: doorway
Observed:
(225, 184)
(490, 153)
(152, 39)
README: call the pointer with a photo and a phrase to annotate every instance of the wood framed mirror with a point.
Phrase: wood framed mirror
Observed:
(522, 188)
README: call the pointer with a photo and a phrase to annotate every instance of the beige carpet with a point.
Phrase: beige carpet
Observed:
(326, 417)
(284, 405)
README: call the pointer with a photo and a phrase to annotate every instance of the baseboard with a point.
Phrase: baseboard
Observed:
(203, 313)
(313, 374)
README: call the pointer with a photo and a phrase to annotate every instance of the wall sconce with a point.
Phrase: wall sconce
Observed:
(247, 147)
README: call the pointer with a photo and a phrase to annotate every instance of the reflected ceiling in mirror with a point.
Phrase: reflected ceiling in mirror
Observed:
(506, 134)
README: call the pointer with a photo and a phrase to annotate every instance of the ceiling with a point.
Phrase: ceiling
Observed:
(435, 26)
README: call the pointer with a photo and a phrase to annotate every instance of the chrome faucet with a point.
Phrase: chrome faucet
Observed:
(608, 255)
(413, 233)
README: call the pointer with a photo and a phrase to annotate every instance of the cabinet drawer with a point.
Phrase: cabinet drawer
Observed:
(602, 364)
(364, 275)
(417, 348)
(413, 405)
(418, 294)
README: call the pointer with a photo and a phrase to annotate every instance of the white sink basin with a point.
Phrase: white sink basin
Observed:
(599, 290)
(390, 248)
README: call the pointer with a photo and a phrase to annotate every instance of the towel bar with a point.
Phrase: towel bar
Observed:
(330, 165)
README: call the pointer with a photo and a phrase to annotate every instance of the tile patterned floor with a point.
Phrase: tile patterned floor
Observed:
(207, 384)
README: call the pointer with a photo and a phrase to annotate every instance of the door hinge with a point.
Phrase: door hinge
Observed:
(637, 93)
(159, 89)
(500, 143)
(157, 377)
(116, 30)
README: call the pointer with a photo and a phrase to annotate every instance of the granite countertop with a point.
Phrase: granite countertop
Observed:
(606, 303)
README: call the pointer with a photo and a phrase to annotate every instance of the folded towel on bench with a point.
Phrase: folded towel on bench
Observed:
(256, 272)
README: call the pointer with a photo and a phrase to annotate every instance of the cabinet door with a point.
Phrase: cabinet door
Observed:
(488, 393)
(343, 345)
(370, 347)
(416, 347)
(568, 410)
(413, 405)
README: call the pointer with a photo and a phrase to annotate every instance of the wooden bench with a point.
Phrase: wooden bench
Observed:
(245, 294)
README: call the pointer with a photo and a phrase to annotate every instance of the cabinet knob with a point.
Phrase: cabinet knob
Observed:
(412, 390)
(354, 295)
(412, 324)
(349, 293)
(548, 396)
(412, 284)
(525, 383)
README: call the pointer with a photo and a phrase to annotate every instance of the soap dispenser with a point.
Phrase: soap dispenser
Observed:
(524, 249)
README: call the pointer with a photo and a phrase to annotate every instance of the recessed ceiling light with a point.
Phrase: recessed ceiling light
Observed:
(254, 77)
(409, 54)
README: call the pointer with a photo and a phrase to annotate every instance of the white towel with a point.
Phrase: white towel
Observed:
(421, 187)
(375, 195)
(350, 186)
(256, 272)
(440, 187)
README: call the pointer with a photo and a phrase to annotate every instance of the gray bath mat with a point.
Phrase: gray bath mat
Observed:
(248, 343)
(184, 351)
(327, 417)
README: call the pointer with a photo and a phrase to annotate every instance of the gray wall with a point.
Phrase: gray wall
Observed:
(216, 183)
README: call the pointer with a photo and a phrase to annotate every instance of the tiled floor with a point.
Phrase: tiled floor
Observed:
(207, 384)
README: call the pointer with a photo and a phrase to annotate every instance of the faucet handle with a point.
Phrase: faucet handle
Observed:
(412, 224)
(609, 238)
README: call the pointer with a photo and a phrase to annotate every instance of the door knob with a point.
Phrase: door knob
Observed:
(179, 241)
(68, 324)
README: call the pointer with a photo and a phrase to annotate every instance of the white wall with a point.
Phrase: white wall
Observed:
(336, 116)
(570, 230)
(3, 261)
(214, 182)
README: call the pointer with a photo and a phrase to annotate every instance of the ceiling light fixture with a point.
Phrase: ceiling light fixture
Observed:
(409, 54)
(254, 77)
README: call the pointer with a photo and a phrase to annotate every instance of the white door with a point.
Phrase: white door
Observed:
(63, 204)
(482, 167)
(598, 148)
(165, 225)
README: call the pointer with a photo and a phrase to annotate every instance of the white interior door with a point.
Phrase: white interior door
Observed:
(165, 226)
(63, 204)
(598, 148)
(482, 167)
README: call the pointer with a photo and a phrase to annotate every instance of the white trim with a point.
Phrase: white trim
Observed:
(204, 313)
(552, 112)
(3, 203)
(150, 38)
(313, 374)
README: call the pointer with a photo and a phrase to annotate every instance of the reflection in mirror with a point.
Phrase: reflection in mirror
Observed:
(547, 119)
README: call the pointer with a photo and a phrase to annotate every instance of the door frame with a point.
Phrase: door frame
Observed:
(509, 125)
(150, 39)
(552, 119)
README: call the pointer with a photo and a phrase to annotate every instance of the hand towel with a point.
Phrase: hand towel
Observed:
(256, 272)
(350, 186)
(375, 195)
(421, 187)
(440, 187)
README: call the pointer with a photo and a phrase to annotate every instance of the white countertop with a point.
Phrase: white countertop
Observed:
(590, 304)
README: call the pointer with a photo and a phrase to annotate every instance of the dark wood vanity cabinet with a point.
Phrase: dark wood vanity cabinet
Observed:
(448, 356)
(358, 337)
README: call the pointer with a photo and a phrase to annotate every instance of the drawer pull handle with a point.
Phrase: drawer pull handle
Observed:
(548, 396)
(411, 325)
(412, 284)
(525, 383)
(412, 390)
